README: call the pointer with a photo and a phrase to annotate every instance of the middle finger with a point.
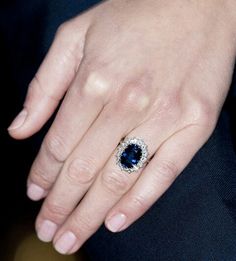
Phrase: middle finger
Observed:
(110, 185)
(82, 166)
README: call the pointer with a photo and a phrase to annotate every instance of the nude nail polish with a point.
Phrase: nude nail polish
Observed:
(47, 231)
(19, 120)
(65, 243)
(115, 223)
(34, 192)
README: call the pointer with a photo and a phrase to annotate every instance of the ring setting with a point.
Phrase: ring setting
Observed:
(132, 154)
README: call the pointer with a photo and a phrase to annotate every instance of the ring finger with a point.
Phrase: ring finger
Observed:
(82, 166)
(111, 184)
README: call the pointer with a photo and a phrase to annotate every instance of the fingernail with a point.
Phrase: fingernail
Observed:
(65, 243)
(19, 120)
(47, 231)
(115, 223)
(35, 192)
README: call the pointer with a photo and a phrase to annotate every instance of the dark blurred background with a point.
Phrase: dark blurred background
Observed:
(26, 30)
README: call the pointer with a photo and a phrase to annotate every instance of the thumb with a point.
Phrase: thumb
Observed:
(52, 79)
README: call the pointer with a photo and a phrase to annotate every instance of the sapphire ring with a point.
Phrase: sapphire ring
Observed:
(132, 154)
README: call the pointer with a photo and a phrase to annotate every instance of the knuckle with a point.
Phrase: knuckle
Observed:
(34, 84)
(54, 211)
(80, 172)
(167, 170)
(36, 88)
(203, 113)
(167, 106)
(96, 84)
(136, 97)
(114, 182)
(55, 148)
(168, 103)
(64, 29)
(207, 116)
(40, 177)
(138, 202)
(82, 223)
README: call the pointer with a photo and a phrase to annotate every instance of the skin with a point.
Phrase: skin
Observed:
(154, 69)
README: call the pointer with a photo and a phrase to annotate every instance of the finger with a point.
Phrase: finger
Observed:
(169, 161)
(82, 166)
(81, 106)
(89, 90)
(111, 184)
(52, 79)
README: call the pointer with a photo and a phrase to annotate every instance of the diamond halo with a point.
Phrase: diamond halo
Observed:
(124, 146)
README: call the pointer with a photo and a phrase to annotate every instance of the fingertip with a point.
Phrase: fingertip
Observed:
(46, 231)
(28, 122)
(18, 122)
(17, 128)
(35, 192)
(17, 135)
(116, 222)
(20, 133)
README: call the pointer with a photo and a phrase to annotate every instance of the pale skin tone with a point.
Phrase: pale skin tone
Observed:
(159, 70)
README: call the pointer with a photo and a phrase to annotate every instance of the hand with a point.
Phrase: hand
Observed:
(157, 70)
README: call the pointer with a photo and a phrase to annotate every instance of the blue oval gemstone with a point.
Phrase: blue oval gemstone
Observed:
(131, 156)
